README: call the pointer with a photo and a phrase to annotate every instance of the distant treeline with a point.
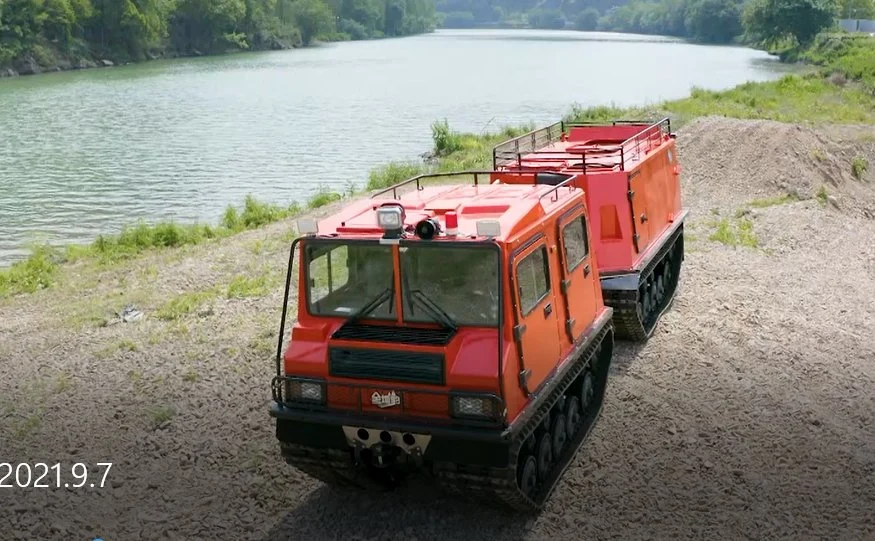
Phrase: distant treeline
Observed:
(53, 32)
(712, 21)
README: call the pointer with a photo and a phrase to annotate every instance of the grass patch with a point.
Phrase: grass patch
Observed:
(161, 415)
(26, 426)
(40, 269)
(446, 141)
(773, 201)
(184, 304)
(850, 55)
(135, 239)
(393, 173)
(254, 215)
(323, 197)
(792, 98)
(859, 166)
(738, 232)
(121, 345)
(822, 196)
(127, 345)
(34, 273)
(242, 286)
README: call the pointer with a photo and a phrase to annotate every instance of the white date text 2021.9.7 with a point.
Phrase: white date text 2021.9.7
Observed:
(42, 475)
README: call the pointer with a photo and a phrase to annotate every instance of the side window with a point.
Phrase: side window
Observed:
(328, 271)
(533, 276)
(575, 243)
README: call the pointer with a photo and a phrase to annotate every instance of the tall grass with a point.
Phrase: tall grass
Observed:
(41, 268)
(850, 55)
(36, 272)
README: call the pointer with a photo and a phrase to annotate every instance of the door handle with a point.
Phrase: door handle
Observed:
(586, 270)
(548, 309)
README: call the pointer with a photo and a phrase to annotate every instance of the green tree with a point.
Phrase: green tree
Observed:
(394, 17)
(313, 17)
(772, 21)
(546, 18)
(50, 31)
(208, 25)
(368, 13)
(587, 19)
(857, 9)
(714, 21)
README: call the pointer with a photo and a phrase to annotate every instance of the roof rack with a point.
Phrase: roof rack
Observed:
(599, 157)
(417, 181)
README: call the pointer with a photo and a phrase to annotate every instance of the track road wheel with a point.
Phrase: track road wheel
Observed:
(572, 415)
(544, 454)
(528, 475)
(660, 289)
(560, 436)
(586, 391)
(645, 301)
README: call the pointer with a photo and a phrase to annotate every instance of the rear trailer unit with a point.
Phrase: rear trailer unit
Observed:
(630, 173)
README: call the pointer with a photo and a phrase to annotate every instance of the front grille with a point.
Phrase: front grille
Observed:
(402, 335)
(386, 365)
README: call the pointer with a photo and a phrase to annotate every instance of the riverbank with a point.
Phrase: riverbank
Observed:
(62, 63)
(56, 62)
(37, 38)
(167, 356)
(837, 90)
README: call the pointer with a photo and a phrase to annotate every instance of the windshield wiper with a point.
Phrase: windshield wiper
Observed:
(432, 308)
(382, 296)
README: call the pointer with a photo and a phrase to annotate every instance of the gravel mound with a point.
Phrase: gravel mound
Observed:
(730, 162)
(749, 414)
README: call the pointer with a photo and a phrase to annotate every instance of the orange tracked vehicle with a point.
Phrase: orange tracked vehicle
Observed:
(446, 331)
(629, 172)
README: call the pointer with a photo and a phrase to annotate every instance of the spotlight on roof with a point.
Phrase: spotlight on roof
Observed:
(390, 218)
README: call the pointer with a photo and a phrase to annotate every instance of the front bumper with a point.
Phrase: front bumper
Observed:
(325, 429)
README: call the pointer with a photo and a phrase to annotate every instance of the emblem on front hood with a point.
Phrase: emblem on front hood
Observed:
(385, 400)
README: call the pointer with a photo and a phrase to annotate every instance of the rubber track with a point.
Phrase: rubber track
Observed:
(626, 303)
(490, 485)
(499, 485)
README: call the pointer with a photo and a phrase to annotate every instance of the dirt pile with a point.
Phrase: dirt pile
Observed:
(730, 162)
(750, 413)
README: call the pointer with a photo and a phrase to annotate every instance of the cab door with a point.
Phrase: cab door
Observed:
(537, 330)
(578, 276)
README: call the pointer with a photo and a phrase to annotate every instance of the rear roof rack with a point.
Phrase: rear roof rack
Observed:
(550, 144)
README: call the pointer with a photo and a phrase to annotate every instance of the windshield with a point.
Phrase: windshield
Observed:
(345, 277)
(448, 285)
(461, 281)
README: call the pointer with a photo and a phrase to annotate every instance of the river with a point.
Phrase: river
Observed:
(83, 153)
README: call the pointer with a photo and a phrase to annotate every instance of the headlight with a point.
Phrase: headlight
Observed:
(475, 407)
(305, 391)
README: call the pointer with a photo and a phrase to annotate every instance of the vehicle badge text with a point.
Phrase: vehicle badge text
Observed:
(385, 400)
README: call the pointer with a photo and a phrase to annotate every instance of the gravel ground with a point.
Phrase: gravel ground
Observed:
(749, 414)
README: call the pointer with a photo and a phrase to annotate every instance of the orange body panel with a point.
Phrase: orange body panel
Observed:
(532, 218)
(611, 162)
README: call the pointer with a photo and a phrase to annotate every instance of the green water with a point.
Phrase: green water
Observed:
(86, 152)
